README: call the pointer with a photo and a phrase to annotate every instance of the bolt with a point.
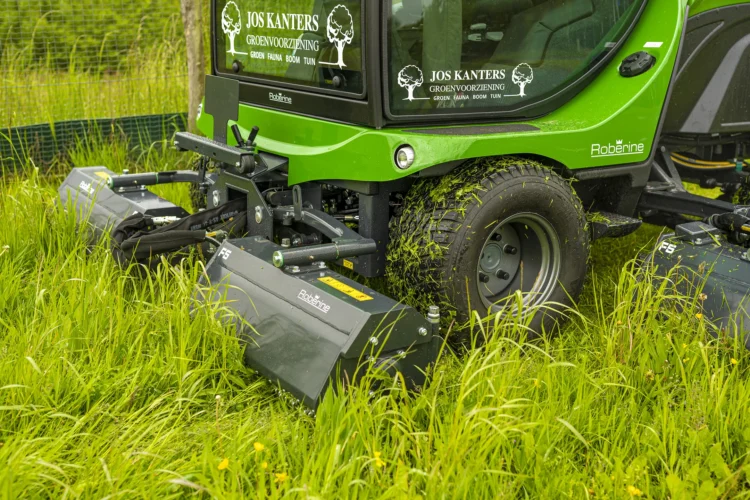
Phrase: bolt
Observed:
(502, 274)
(510, 249)
(374, 341)
(286, 242)
(293, 269)
(422, 331)
(433, 315)
(497, 237)
(484, 278)
(216, 195)
(699, 241)
(125, 171)
(278, 259)
(258, 214)
(321, 265)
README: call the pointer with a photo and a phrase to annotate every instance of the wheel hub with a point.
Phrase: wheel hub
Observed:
(521, 253)
(500, 260)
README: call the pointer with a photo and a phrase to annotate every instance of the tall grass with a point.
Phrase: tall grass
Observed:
(110, 386)
(147, 79)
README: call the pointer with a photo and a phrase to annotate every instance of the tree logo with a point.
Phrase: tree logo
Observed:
(340, 32)
(522, 76)
(410, 78)
(231, 24)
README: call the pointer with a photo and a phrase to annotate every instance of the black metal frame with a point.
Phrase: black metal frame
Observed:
(666, 201)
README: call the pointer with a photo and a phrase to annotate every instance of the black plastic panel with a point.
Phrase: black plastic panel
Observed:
(712, 92)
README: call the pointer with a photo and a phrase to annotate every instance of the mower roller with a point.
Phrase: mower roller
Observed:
(465, 150)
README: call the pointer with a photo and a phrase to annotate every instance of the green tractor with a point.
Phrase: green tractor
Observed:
(469, 151)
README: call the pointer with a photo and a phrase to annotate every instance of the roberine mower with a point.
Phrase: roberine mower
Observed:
(466, 150)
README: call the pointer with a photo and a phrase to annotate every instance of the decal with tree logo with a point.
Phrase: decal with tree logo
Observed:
(522, 76)
(410, 78)
(231, 24)
(340, 32)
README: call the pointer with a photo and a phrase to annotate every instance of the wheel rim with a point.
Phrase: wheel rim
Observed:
(521, 253)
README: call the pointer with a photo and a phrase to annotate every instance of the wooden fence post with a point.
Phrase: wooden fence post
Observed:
(193, 24)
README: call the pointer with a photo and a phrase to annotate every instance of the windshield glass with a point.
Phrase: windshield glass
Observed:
(314, 43)
(453, 56)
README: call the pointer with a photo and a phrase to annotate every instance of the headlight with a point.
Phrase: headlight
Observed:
(404, 157)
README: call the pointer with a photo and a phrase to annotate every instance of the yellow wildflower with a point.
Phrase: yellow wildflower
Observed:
(733, 361)
(281, 477)
(258, 446)
(634, 492)
(650, 375)
(378, 461)
(264, 465)
(699, 316)
(537, 384)
(224, 464)
(684, 346)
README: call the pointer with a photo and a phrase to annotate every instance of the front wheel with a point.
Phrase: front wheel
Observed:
(472, 239)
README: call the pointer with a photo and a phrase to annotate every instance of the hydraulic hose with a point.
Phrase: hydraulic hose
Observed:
(702, 164)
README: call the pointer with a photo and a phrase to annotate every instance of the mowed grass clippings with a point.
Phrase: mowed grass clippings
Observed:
(111, 387)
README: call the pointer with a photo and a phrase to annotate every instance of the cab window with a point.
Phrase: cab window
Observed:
(461, 56)
(314, 43)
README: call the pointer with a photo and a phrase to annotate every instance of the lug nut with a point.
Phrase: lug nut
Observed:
(503, 275)
(510, 249)
(497, 237)
(484, 278)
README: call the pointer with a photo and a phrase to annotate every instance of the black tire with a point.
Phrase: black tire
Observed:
(446, 223)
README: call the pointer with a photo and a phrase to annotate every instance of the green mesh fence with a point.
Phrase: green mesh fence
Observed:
(43, 143)
(77, 63)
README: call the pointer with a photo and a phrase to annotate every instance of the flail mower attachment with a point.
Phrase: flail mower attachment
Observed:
(304, 326)
(711, 261)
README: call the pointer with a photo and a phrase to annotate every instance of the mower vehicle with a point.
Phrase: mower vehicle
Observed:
(465, 150)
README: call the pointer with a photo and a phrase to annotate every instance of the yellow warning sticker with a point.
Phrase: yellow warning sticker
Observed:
(344, 288)
(349, 264)
(103, 175)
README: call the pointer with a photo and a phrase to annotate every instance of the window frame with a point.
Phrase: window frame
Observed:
(522, 112)
(277, 82)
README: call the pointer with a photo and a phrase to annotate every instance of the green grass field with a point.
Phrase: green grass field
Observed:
(109, 388)
(148, 82)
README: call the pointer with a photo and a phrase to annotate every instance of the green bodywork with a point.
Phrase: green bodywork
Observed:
(611, 109)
